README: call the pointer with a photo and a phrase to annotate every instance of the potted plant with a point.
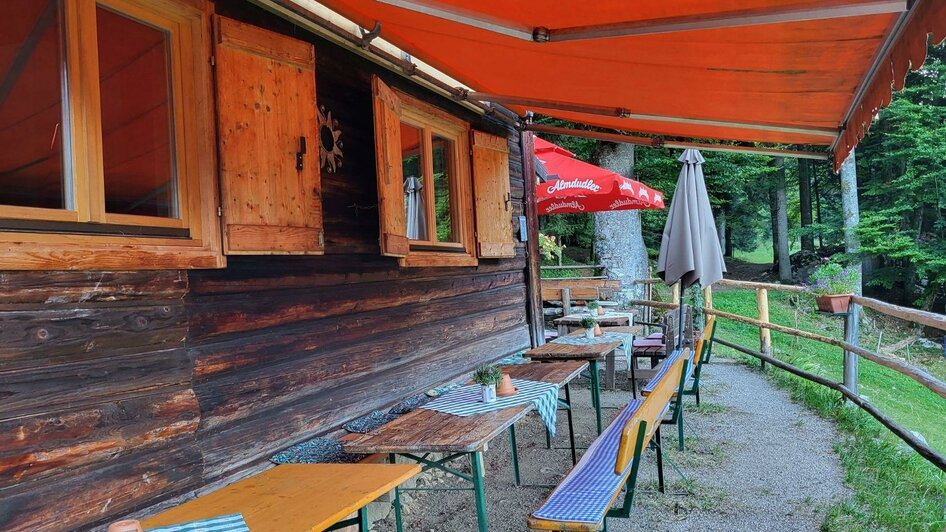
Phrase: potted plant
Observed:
(589, 324)
(833, 286)
(594, 308)
(488, 377)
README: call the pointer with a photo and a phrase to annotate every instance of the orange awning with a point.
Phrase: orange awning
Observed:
(801, 72)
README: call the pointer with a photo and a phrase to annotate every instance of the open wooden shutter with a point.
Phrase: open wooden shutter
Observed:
(493, 205)
(269, 150)
(387, 142)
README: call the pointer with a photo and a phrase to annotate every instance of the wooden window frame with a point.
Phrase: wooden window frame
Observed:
(433, 121)
(187, 25)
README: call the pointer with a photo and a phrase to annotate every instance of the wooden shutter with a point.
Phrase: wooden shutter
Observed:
(387, 142)
(491, 196)
(266, 113)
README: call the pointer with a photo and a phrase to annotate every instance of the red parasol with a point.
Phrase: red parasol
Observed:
(577, 186)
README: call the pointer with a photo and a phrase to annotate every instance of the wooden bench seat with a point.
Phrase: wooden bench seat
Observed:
(586, 497)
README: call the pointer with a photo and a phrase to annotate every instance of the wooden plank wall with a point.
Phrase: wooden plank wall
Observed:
(119, 390)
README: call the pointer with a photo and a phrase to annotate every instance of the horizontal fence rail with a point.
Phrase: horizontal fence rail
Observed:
(848, 389)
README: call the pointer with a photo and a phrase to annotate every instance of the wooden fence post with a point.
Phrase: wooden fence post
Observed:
(707, 301)
(851, 334)
(765, 336)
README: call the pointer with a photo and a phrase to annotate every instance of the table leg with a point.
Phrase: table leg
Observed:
(476, 461)
(609, 371)
(571, 426)
(363, 519)
(515, 453)
(595, 392)
(398, 518)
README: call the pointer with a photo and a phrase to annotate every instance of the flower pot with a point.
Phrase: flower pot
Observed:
(506, 388)
(590, 332)
(488, 393)
(601, 311)
(126, 525)
(598, 330)
(835, 303)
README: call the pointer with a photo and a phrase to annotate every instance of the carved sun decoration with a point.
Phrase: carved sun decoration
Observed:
(330, 147)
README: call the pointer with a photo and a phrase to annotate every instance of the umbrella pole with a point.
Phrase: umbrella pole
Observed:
(680, 328)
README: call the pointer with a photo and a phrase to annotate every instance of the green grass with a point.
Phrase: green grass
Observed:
(895, 489)
(763, 253)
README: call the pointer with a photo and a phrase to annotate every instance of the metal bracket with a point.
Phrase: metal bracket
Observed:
(368, 36)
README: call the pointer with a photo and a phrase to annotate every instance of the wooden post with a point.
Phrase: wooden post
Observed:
(765, 336)
(675, 294)
(534, 310)
(649, 296)
(851, 334)
(707, 301)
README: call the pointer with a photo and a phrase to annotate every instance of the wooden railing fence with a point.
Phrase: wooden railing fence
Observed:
(852, 350)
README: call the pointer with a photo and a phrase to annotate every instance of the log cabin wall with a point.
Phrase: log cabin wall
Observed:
(119, 390)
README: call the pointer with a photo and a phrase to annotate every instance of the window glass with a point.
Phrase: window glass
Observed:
(31, 108)
(137, 144)
(443, 156)
(413, 166)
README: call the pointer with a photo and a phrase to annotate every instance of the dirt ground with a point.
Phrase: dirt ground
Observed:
(755, 460)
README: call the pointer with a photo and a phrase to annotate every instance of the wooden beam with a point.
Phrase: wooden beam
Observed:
(907, 436)
(618, 112)
(533, 263)
(729, 19)
(917, 374)
(26, 50)
(658, 143)
(930, 319)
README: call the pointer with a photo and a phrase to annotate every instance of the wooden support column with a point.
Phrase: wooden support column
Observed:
(765, 336)
(533, 270)
(675, 294)
(707, 301)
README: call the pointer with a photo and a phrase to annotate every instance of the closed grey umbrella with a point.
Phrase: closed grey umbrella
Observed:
(414, 207)
(689, 251)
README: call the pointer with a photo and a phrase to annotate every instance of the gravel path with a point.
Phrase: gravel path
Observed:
(755, 460)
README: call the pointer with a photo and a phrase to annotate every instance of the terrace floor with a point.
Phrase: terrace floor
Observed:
(755, 460)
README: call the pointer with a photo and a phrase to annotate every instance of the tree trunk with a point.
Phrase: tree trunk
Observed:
(721, 230)
(781, 246)
(729, 245)
(773, 218)
(852, 215)
(619, 242)
(804, 197)
(817, 195)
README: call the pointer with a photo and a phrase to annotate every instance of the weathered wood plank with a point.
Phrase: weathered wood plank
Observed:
(39, 337)
(108, 378)
(63, 288)
(44, 444)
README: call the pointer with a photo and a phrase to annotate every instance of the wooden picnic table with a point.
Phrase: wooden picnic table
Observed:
(610, 319)
(422, 431)
(590, 353)
(610, 366)
(295, 497)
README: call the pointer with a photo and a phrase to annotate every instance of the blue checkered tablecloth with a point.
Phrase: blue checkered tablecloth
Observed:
(223, 523)
(627, 342)
(467, 401)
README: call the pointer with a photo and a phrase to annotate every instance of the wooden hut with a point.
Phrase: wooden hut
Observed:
(203, 246)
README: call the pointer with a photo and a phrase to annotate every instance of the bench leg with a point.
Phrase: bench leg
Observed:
(609, 371)
(633, 378)
(476, 461)
(571, 426)
(515, 454)
(596, 393)
(398, 518)
(680, 426)
(660, 461)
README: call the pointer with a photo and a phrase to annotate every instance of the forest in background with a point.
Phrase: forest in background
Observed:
(901, 176)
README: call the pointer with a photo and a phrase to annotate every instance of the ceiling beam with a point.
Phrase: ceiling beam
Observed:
(705, 21)
(618, 112)
(658, 143)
